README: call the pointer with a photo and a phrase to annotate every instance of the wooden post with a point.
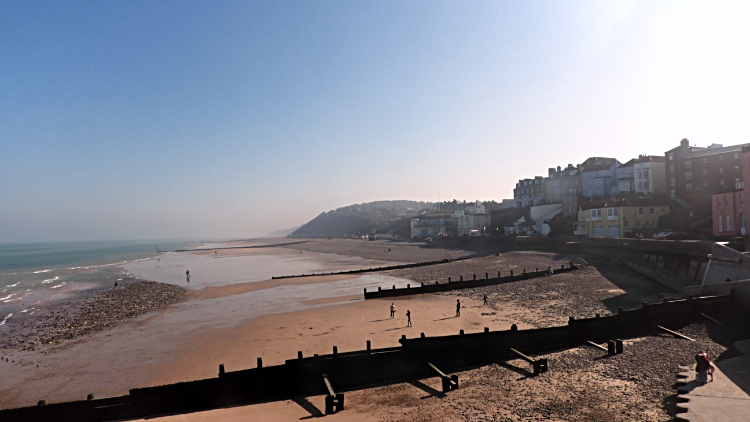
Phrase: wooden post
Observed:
(369, 346)
(611, 348)
(221, 369)
(618, 346)
(299, 355)
(486, 329)
(260, 362)
(335, 350)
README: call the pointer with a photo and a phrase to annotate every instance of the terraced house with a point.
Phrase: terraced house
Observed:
(619, 217)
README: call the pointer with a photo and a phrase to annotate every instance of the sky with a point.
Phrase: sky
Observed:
(230, 119)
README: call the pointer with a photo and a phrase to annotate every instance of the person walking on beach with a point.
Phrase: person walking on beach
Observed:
(115, 285)
(458, 308)
(393, 310)
(485, 299)
(408, 318)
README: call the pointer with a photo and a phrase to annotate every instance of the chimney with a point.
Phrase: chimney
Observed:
(551, 171)
(684, 143)
(558, 168)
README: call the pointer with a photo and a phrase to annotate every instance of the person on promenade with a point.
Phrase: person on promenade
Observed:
(703, 367)
(393, 310)
(458, 308)
(408, 318)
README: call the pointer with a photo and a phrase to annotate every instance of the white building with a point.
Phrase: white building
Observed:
(477, 208)
(644, 174)
(469, 222)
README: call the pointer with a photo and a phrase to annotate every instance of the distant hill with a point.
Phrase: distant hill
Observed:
(362, 218)
(282, 233)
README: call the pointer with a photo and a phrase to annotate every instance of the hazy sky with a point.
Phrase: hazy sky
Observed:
(157, 119)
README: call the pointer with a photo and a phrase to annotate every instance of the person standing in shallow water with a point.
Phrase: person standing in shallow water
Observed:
(458, 308)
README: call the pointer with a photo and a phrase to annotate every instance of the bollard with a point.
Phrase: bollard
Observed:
(421, 335)
(299, 355)
(461, 332)
(618, 346)
(486, 329)
(90, 397)
(260, 362)
(221, 369)
(611, 348)
(513, 327)
(369, 345)
(335, 350)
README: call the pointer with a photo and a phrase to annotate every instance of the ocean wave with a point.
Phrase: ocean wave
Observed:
(5, 319)
(41, 271)
(8, 297)
(59, 285)
(50, 280)
(13, 285)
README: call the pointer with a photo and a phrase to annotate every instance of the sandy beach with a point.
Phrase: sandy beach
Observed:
(217, 324)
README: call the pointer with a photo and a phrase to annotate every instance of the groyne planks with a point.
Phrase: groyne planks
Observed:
(237, 247)
(376, 269)
(465, 284)
(366, 368)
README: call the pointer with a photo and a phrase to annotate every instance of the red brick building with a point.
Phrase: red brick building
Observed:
(728, 209)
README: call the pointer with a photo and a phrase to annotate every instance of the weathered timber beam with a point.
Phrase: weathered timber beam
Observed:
(674, 333)
(328, 385)
(709, 318)
(598, 346)
(441, 373)
(524, 357)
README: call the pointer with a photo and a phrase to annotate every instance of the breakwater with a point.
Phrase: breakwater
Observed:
(467, 284)
(237, 247)
(376, 269)
(335, 373)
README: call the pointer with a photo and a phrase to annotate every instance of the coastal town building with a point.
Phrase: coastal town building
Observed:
(599, 177)
(423, 228)
(563, 186)
(469, 222)
(612, 218)
(694, 173)
(529, 192)
(728, 209)
(476, 208)
(644, 174)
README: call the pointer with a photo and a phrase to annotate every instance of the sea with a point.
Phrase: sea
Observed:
(35, 274)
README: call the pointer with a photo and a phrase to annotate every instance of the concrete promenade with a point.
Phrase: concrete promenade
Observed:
(725, 399)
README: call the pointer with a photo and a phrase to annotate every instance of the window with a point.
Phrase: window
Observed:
(651, 210)
(718, 202)
(589, 183)
(704, 160)
(598, 182)
(640, 211)
(672, 192)
(598, 231)
(671, 156)
(742, 201)
(705, 172)
(612, 213)
(638, 223)
(705, 183)
(689, 175)
(726, 202)
(727, 228)
(614, 231)
(721, 182)
(671, 182)
(718, 219)
(688, 165)
(721, 158)
(736, 168)
(671, 168)
(736, 156)
(738, 183)
(688, 187)
(721, 169)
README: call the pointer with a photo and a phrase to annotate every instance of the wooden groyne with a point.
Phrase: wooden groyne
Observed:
(237, 247)
(376, 269)
(336, 373)
(467, 284)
